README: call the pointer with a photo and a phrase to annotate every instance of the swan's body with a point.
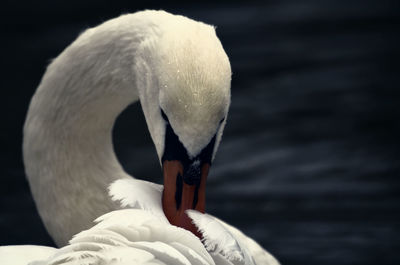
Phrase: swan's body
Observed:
(133, 236)
(179, 71)
(142, 235)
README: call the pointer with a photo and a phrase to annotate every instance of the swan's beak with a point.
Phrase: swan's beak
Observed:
(183, 192)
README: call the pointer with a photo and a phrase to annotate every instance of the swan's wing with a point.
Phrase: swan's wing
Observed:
(138, 194)
(229, 242)
(24, 254)
(132, 236)
(138, 225)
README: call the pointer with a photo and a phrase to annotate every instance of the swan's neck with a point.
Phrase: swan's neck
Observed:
(68, 150)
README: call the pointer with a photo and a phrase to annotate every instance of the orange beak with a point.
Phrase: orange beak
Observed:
(179, 196)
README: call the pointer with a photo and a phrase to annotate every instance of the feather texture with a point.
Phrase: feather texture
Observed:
(138, 236)
(217, 239)
(220, 239)
(138, 194)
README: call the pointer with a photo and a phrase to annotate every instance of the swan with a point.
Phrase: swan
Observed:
(179, 72)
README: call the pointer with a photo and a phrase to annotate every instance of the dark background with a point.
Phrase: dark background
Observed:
(309, 163)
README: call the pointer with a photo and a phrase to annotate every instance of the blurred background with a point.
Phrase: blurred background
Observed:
(309, 164)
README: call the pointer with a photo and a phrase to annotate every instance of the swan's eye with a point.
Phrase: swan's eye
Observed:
(164, 116)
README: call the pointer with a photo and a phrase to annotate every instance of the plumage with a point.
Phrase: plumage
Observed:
(178, 70)
(139, 236)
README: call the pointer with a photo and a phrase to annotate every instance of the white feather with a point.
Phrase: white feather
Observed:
(217, 239)
(138, 194)
(257, 253)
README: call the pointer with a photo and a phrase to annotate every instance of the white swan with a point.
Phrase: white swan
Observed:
(179, 71)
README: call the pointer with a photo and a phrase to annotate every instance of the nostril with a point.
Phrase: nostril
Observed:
(192, 173)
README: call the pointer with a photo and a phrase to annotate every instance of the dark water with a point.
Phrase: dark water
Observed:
(309, 163)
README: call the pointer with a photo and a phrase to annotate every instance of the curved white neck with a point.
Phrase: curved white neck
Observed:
(68, 150)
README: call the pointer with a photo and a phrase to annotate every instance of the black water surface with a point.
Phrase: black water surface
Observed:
(309, 162)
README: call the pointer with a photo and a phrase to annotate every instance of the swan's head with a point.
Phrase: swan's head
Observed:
(193, 76)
